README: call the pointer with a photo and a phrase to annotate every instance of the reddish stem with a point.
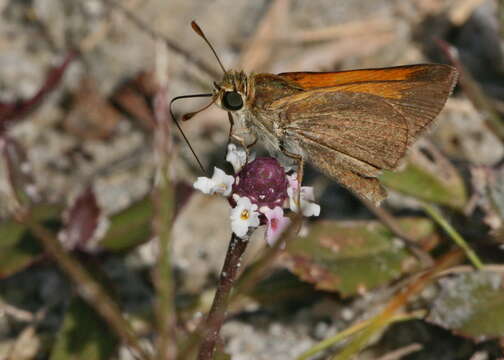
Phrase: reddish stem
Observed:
(217, 313)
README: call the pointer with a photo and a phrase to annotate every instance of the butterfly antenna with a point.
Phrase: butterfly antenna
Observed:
(188, 116)
(180, 128)
(198, 31)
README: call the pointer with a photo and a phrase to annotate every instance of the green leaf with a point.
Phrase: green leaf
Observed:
(471, 304)
(428, 176)
(18, 247)
(353, 256)
(84, 335)
(130, 227)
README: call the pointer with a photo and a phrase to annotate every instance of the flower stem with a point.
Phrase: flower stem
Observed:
(217, 313)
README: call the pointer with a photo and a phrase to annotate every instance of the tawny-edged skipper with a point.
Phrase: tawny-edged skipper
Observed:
(349, 124)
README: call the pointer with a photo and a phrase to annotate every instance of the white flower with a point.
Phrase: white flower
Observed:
(276, 225)
(237, 157)
(243, 215)
(308, 206)
(219, 183)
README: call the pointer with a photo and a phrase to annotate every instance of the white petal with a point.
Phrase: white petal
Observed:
(311, 209)
(236, 157)
(220, 183)
(243, 202)
(308, 206)
(238, 225)
(223, 183)
(254, 219)
(204, 184)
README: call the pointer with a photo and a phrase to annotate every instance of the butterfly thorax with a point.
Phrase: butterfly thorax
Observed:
(248, 98)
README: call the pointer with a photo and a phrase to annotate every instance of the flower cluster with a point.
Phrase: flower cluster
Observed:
(258, 194)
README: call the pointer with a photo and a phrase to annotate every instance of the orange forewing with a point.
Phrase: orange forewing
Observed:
(312, 80)
(417, 92)
(352, 124)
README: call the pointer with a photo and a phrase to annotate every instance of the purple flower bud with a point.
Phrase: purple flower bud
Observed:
(263, 181)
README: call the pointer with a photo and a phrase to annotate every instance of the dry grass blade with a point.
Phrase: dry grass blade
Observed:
(419, 283)
(347, 30)
(260, 47)
(324, 56)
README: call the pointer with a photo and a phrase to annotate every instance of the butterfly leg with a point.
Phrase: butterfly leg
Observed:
(231, 124)
(300, 172)
(239, 136)
(240, 140)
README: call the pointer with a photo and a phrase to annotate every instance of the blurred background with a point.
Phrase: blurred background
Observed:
(78, 81)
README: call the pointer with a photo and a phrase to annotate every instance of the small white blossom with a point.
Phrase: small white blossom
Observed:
(307, 199)
(243, 215)
(276, 224)
(237, 157)
(219, 183)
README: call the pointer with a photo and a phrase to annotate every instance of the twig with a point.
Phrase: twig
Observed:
(456, 237)
(27, 337)
(217, 313)
(464, 269)
(142, 25)
(401, 352)
(88, 288)
(25, 345)
(16, 313)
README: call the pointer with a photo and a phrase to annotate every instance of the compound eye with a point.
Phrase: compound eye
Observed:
(231, 100)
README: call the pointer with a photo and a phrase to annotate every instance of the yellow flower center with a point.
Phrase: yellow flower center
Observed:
(244, 215)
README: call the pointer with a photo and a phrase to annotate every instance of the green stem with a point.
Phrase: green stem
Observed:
(333, 340)
(456, 237)
(164, 200)
(164, 278)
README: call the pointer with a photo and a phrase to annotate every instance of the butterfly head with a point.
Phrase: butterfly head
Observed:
(231, 92)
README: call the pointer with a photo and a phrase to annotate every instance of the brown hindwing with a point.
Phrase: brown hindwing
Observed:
(352, 124)
(418, 92)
